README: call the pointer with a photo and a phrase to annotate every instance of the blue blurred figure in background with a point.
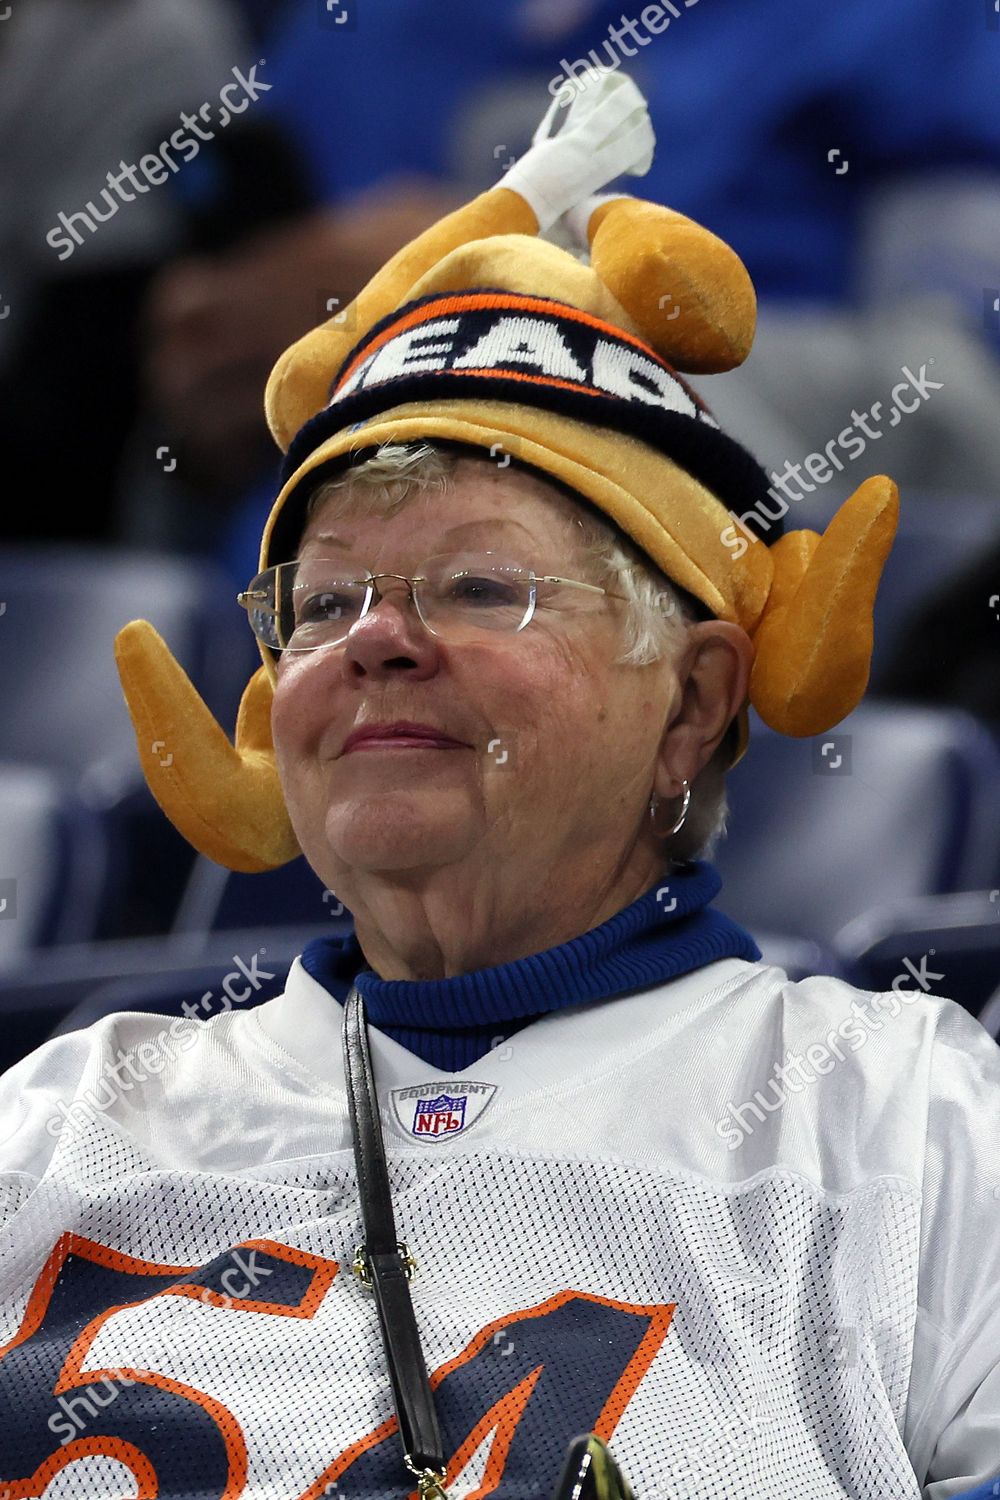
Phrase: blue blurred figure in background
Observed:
(850, 155)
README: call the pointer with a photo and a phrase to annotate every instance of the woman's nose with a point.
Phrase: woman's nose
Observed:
(378, 640)
(398, 590)
(391, 583)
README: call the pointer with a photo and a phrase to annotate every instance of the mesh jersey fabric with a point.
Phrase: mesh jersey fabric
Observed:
(810, 1312)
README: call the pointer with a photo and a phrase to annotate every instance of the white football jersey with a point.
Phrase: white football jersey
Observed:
(747, 1230)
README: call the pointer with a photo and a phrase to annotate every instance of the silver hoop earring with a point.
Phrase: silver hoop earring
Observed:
(654, 803)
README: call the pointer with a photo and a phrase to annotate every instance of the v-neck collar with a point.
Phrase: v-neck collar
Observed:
(305, 1023)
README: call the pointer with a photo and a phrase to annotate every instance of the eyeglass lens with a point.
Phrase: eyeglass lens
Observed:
(317, 601)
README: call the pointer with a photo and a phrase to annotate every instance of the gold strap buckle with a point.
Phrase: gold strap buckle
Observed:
(359, 1265)
(430, 1483)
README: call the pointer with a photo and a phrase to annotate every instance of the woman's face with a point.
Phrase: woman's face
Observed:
(560, 744)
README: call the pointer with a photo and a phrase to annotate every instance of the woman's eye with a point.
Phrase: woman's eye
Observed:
(473, 590)
(325, 606)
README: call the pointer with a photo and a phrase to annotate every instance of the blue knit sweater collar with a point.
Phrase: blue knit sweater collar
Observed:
(451, 1023)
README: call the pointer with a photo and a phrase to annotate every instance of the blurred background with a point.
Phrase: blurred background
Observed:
(186, 186)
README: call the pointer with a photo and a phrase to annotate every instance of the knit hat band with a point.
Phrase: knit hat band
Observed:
(535, 351)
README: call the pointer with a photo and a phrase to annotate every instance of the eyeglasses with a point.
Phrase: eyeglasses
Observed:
(459, 596)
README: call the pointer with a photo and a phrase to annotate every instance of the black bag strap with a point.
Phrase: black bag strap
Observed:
(385, 1264)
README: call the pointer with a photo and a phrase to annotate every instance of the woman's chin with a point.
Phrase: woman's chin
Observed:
(399, 830)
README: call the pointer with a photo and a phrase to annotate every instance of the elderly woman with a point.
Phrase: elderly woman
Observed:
(516, 593)
(469, 782)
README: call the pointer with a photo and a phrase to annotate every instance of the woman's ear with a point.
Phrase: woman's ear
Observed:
(713, 673)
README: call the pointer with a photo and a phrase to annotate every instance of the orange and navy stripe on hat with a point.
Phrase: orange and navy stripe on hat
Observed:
(536, 351)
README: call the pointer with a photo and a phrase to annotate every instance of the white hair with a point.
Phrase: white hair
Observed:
(658, 613)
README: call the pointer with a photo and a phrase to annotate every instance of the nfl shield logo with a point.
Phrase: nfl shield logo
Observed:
(440, 1109)
(434, 1116)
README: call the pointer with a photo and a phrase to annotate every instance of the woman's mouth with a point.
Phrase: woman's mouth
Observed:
(402, 742)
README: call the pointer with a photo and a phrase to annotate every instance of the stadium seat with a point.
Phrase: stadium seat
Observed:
(989, 1016)
(63, 606)
(896, 802)
(956, 937)
(40, 990)
(54, 863)
(939, 535)
(799, 957)
(217, 899)
(166, 994)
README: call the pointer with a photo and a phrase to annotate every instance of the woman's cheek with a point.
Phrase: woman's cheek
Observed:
(294, 707)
